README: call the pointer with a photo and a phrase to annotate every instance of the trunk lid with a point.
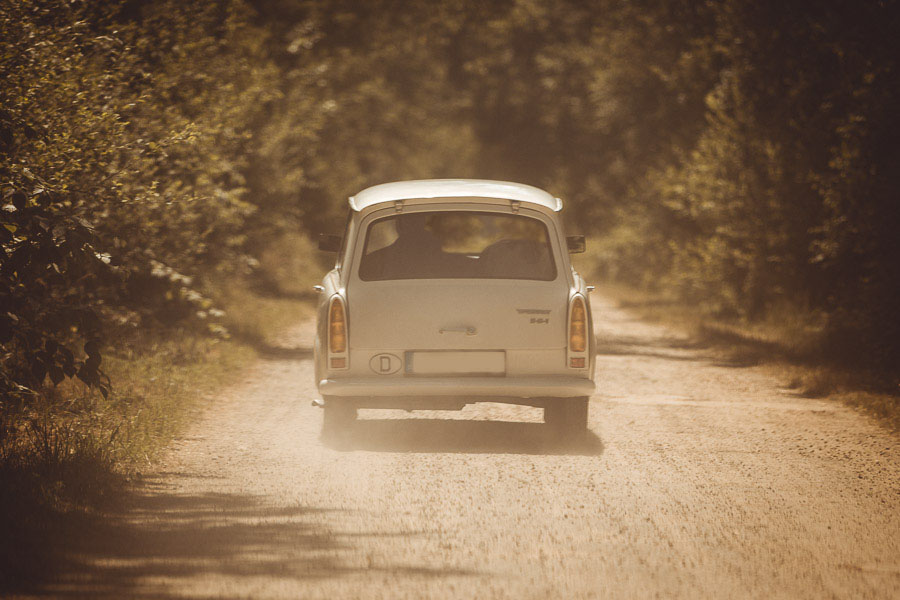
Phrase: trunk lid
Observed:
(455, 314)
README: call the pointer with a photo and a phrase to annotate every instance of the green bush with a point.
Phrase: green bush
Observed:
(123, 134)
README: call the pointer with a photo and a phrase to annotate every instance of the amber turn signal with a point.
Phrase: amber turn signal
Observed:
(578, 326)
(337, 327)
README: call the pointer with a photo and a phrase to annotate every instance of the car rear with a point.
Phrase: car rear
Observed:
(478, 304)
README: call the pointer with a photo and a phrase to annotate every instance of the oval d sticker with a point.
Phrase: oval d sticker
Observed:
(385, 364)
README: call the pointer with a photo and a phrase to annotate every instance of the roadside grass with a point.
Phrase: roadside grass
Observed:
(257, 320)
(789, 343)
(69, 454)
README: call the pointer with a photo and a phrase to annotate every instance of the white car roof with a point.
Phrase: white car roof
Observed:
(471, 189)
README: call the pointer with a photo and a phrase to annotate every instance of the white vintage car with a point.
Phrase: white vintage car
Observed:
(453, 291)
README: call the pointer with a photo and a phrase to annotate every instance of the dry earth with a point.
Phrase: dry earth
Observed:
(699, 479)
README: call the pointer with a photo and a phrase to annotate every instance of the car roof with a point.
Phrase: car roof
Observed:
(472, 190)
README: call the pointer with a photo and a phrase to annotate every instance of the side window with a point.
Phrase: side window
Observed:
(381, 234)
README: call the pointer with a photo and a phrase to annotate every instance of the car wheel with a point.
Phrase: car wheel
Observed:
(567, 416)
(340, 414)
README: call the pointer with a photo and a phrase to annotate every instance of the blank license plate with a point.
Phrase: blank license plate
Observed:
(456, 363)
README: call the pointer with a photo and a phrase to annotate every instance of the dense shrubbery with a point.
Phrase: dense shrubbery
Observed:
(790, 191)
(122, 134)
(738, 154)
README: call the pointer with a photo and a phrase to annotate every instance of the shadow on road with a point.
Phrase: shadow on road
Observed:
(662, 347)
(719, 349)
(169, 545)
(271, 352)
(457, 436)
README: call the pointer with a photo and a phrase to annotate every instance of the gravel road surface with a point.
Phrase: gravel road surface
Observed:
(699, 479)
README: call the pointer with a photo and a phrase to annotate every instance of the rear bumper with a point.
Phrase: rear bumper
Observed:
(511, 387)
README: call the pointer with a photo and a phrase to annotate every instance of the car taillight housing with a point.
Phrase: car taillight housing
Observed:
(337, 334)
(578, 326)
(578, 334)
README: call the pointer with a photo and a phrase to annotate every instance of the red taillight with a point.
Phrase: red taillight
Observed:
(337, 327)
(578, 326)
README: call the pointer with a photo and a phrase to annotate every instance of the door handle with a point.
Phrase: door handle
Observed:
(465, 330)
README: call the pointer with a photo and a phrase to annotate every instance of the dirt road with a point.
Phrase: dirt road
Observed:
(700, 479)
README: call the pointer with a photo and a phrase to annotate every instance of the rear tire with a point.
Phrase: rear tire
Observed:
(340, 415)
(567, 416)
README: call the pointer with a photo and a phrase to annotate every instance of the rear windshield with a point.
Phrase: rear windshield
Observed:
(457, 245)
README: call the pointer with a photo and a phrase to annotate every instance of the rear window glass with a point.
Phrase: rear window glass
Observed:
(457, 245)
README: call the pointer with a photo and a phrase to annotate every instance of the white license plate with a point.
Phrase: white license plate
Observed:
(456, 363)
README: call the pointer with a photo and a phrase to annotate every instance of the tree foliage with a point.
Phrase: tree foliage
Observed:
(740, 154)
(122, 133)
(790, 191)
